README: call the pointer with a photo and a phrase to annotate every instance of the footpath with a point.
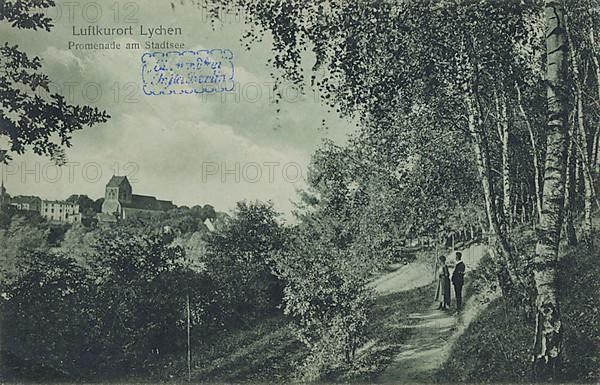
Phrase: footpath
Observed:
(433, 331)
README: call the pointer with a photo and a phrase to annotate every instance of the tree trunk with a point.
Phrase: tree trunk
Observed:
(595, 151)
(581, 143)
(588, 198)
(570, 191)
(481, 148)
(536, 156)
(596, 136)
(548, 336)
(505, 164)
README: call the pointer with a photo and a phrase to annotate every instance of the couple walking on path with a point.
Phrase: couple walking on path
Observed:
(458, 280)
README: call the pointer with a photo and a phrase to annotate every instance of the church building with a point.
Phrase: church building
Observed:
(120, 203)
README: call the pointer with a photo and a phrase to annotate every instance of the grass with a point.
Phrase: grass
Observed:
(385, 334)
(264, 352)
(496, 346)
(268, 352)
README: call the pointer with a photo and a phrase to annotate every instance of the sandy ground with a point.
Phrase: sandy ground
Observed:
(415, 274)
(434, 330)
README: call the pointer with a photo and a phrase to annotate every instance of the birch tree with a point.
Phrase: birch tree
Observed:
(380, 60)
(547, 344)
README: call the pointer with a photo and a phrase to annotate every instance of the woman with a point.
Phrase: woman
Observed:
(443, 285)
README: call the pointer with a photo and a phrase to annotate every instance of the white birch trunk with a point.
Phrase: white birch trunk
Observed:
(548, 337)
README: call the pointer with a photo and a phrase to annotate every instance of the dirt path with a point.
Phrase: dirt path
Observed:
(434, 331)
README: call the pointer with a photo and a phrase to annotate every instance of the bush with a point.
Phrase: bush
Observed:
(328, 301)
(579, 294)
(119, 316)
(48, 320)
(496, 346)
(240, 258)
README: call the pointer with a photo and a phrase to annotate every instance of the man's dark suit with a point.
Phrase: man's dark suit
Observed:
(458, 279)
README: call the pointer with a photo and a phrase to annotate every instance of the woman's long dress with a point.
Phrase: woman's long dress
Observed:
(444, 284)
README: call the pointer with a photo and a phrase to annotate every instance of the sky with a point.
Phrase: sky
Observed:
(214, 149)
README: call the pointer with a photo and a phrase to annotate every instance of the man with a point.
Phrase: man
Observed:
(458, 279)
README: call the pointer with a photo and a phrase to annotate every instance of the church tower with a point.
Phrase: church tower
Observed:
(117, 194)
(119, 189)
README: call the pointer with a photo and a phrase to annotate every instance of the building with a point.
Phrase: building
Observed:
(209, 225)
(60, 211)
(120, 203)
(52, 211)
(26, 203)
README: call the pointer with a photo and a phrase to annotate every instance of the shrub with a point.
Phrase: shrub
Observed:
(579, 294)
(239, 257)
(48, 322)
(326, 297)
(496, 346)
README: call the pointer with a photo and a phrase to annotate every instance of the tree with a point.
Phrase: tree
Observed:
(584, 80)
(86, 204)
(240, 256)
(97, 206)
(142, 282)
(381, 61)
(30, 116)
(21, 240)
(547, 347)
(326, 298)
(78, 243)
(48, 324)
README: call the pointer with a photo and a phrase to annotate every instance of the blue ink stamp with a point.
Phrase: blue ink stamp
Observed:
(187, 72)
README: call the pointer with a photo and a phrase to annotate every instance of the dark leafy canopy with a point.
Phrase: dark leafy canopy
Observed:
(402, 68)
(111, 318)
(49, 316)
(30, 115)
(23, 14)
(240, 256)
(142, 282)
(374, 194)
(326, 297)
(374, 57)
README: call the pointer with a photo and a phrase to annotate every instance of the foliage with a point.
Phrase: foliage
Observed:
(494, 348)
(263, 351)
(460, 64)
(499, 336)
(118, 315)
(579, 293)
(183, 220)
(86, 204)
(142, 283)
(49, 317)
(240, 256)
(21, 239)
(30, 116)
(326, 297)
(124, 289)
(384, 338)
(79, 242)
